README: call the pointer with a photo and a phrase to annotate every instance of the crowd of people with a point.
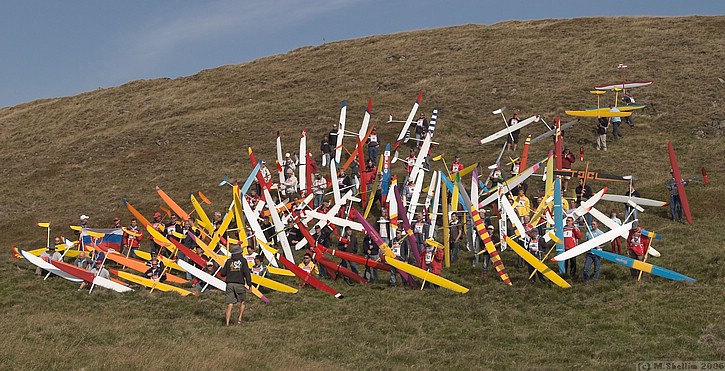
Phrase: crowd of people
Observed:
(431, 257)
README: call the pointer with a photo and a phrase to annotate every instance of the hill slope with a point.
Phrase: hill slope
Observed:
(83, 154)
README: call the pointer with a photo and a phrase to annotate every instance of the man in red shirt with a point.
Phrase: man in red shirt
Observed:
(457, 165)
(567, 158)
(637, 245)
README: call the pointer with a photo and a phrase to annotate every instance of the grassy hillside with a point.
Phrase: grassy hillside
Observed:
(83, 154)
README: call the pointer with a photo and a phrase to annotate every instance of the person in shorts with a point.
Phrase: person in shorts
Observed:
(236, 273)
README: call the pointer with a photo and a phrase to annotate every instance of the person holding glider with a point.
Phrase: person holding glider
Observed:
(675, 202)
(615, 121)
(535, 244)
(592, 258)
(602, 133)
(572, 235)
(456, 165)
(455, 237)
(617, 241)
(238, 278)
(637, 244)
(156, 272)
(513, 138)
(309, 266)
(48, 255)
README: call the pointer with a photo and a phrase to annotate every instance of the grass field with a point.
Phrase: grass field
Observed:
(82, 155)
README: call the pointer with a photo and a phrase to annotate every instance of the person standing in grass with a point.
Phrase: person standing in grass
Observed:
(535, 244)
(522, 204)
(431, 261)
(591, 258)
(567, 159)
(455, 237)
(326, 151)
(675, 202)
(372, 252)
(319, 185)
(615, 121)
(400, 249)
(421, 127)
(513, 138)
(348, 243)
(631, 212)
(495, 240)
(572, 235)
(132, 242)
(617, 241)
(628, 99)
(602, 133)
(637, 247)
(373, 146)
(238, 278)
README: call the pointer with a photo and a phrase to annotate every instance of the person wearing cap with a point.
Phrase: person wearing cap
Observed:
(535, 244)
(513, 138)
(238, 278)
(48, 256)
(116, 222)
(637, 244)
(590, 257)
(84, 224)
